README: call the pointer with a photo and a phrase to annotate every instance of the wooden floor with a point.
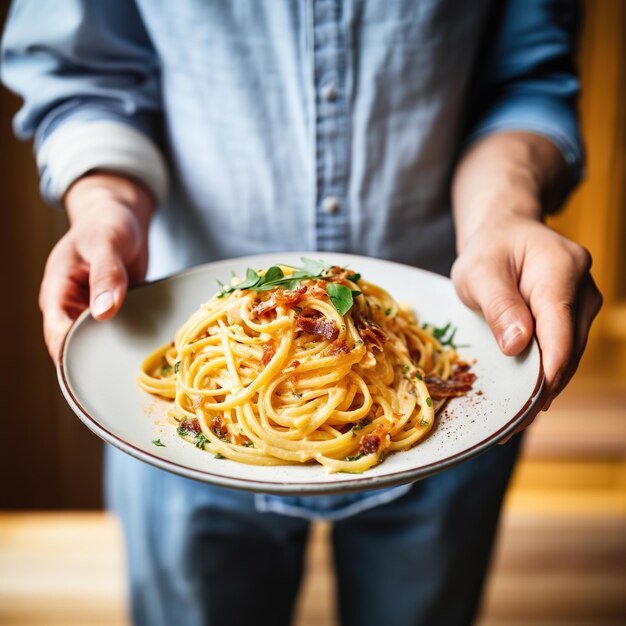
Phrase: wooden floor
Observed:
(561, 557)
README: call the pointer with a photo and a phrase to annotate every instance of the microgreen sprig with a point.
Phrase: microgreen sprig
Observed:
(341, 297)
(444, 335)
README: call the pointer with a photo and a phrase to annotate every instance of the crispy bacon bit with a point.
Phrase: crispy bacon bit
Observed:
(317, 326)
(295, 364)
(218, 427)
(459, 383)
(371, 443)
(317, 289)
(337, 275)
(462, 374)
(240, 440)
(338, 347)
(280, 296)
(371, 333)
(268, 352)
(192, 426)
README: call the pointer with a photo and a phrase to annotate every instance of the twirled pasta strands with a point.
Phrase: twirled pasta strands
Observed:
(277, 377)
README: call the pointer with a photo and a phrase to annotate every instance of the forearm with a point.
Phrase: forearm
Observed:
(508, 174)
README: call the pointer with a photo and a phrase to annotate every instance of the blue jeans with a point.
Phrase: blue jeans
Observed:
(203, 555)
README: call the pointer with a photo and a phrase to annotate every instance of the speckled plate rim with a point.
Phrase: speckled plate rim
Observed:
(360, 482)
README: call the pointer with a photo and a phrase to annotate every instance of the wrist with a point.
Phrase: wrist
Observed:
(495, 210)
(87, 195)
(503, 177)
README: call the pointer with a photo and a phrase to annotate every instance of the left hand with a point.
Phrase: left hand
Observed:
(525, 277)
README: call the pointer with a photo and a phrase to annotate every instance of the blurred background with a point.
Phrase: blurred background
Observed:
(561, 556)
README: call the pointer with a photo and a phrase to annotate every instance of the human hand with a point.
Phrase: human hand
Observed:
(524, 276)
(104, 250)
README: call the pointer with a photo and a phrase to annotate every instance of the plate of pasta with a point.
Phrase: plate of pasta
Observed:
(297, 373)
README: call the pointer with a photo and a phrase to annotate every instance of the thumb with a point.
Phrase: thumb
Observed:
(492, 289)
(108, 282)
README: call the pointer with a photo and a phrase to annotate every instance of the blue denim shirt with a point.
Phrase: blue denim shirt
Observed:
(329, 125)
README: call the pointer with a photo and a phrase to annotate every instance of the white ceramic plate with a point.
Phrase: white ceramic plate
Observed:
(100, 362)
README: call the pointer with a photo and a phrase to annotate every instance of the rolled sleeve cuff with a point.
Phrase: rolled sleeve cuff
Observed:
(77, 147)
(555, 121)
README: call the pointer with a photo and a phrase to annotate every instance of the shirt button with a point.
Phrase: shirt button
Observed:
(330, 205)
(329, 92)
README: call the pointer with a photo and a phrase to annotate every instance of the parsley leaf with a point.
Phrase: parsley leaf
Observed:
(355, 457)
(340, 296)
(201, 440)
(157, 442)
(313, 267)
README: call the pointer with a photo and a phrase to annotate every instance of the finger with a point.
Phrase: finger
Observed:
(589, 303)
(493, 290)
(108, 282)
(61, 296)
(56, 325)
(137, 268)
(554, 319)
(554, 302)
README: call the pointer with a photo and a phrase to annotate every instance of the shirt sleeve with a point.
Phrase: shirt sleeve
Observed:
(89, 77)
(526, 78)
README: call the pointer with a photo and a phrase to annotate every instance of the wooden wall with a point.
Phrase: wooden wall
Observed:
(49, 460)
(596, 214)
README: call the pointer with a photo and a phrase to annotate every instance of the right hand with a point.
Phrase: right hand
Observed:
(104, 250)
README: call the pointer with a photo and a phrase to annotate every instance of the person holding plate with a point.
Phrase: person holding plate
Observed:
(433, 133)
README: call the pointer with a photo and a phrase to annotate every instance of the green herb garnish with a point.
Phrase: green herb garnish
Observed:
(176, 367)
(275, 277)
(219, 456)
(201, 440)
(362, 423)
(355, 457)
(157, 442)
(354, 277)
(444, 334)
(341, 297)
(429, 402)
(424, 423)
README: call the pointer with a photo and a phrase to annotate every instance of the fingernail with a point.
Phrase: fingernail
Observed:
(102, 304)
(509, 336)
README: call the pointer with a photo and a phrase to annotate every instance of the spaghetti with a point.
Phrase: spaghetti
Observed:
(302, 365)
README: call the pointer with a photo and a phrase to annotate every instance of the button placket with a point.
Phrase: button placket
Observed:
(329, 63)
